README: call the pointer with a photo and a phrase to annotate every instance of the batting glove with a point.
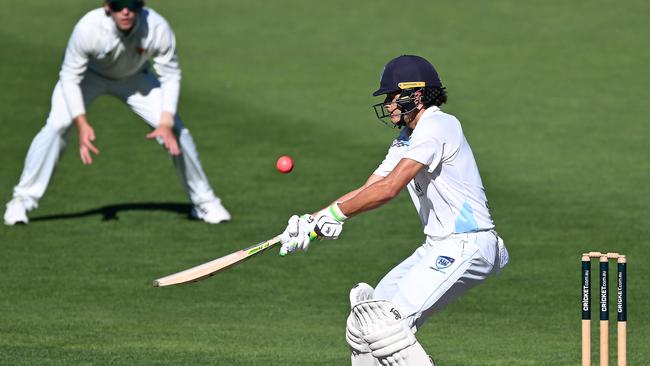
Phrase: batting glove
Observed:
(297, 234)
(329, 222)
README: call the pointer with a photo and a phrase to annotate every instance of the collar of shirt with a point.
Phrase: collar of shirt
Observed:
(406, 131)
(430, 110)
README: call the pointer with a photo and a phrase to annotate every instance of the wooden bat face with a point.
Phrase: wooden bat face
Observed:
(211, 268)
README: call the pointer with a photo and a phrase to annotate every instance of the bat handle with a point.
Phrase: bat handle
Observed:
(312, 237)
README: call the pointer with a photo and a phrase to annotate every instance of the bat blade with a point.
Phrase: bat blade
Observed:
(209, 269)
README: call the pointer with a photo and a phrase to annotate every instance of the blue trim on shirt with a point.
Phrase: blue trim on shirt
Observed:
(404, 134)
(403, 139)
(465, 222)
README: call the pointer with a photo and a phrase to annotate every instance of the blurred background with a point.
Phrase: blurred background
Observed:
(553, 100)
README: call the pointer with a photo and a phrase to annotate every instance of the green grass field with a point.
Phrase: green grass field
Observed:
(553, 99)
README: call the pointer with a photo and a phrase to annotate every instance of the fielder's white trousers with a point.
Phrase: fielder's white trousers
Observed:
(141, 92)
(439, 271)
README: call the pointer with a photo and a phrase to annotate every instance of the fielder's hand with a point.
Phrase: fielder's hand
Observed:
(86, 146)
(165, 135)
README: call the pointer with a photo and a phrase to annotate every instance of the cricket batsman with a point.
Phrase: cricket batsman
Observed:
(109, 52)
(433, 160)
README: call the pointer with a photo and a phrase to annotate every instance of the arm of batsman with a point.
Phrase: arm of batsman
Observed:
(327, 224)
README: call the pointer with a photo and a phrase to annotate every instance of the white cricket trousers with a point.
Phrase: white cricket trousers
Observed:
(439, 271)
(141, 92)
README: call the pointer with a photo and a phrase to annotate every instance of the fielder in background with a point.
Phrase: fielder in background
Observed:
(433, 160)
(108, 53)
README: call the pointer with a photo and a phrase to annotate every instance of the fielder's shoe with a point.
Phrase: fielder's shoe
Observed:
(16, 212)
(211, 212)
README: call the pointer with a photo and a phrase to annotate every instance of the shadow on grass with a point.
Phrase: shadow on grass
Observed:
(111, 212)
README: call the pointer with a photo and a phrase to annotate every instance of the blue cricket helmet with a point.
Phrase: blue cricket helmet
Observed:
(406, 72)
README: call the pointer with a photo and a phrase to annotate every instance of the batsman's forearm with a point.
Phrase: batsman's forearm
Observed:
(370, 198)
(349, 195)
(374, 178)
(381, 190)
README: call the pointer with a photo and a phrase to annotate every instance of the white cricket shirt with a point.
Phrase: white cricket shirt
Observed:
(448, 193)
(97, 45)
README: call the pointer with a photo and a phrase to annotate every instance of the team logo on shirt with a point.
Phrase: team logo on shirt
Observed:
(403, 138)
(443, 262)
(418, 190)
(399, 143)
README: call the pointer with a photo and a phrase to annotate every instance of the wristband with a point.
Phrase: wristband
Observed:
(335, 211)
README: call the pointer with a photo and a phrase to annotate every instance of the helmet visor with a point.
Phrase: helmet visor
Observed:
(404, 103)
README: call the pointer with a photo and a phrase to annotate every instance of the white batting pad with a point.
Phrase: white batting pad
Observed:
(361, 292)
(363, 359)
(387, 334)
(354, 337)
(360, 349)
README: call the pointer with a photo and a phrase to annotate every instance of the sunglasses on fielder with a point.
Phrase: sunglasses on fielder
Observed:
(119, 5)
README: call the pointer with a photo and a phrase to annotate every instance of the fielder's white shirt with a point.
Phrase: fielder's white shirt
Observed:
(97, 45)
(448, 193)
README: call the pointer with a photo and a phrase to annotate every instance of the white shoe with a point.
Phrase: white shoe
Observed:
(211, 212)
(16, 212)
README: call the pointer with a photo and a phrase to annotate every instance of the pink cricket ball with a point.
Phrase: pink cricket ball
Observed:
(284, 164)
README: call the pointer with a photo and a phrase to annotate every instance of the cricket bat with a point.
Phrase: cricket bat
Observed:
(211, 268)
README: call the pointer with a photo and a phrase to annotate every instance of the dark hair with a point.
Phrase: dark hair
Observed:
(434, 95)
